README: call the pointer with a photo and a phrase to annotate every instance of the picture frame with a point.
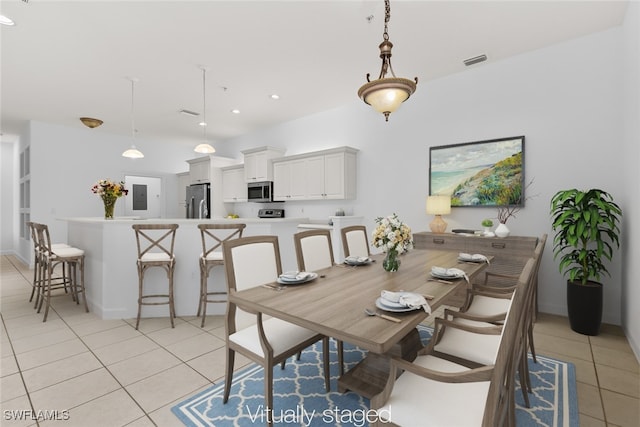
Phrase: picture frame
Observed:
(479, 173)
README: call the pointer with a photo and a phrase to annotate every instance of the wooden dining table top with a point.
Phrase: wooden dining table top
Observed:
(334, 304)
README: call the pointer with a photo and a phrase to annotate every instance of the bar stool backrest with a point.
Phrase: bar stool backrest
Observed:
(153, 244)
(213, 235)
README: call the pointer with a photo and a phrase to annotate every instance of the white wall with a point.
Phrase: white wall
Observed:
(66, 162)
(7, 180)
(575, 102)
(631, 160)
(565, 99)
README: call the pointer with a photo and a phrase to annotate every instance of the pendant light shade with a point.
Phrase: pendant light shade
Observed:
(386, 94)
(133, 152)
(204, 147)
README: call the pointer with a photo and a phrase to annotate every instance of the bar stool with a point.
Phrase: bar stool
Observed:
(69, 258)
(213, 235)
(38, 265)
(155, 249)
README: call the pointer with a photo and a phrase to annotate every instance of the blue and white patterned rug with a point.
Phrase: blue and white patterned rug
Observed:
(300, 399)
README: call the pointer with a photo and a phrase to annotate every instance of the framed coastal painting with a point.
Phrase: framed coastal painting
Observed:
(480, 173)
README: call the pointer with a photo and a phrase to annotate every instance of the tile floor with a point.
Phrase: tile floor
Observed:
(105, 373)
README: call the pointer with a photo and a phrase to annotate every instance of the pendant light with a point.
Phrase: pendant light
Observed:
(133, 152)
(204, 147)
(386, 93)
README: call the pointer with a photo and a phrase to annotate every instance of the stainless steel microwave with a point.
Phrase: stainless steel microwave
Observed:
(260, 191)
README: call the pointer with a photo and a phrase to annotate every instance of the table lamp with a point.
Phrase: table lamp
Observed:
(438, 206)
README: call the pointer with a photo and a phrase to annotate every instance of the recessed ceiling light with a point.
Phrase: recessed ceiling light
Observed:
(275, 96)
(202, 124)
(189, 113)
(4, 20)
(235, 111)
(475, 60)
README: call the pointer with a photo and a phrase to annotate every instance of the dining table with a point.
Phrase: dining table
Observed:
(334, 304)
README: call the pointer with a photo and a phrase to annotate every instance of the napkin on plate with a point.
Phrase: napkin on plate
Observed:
(408, 299)
(450, 272)
(356, 259)
(475, 257)
(295, 275)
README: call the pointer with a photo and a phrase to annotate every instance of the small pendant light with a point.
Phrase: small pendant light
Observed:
(204, 147)
(133, 152)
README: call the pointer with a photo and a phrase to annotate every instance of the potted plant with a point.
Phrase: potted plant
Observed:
(487, 224)
(586, 227)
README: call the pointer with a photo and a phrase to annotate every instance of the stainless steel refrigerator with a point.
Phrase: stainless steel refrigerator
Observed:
(198, 201)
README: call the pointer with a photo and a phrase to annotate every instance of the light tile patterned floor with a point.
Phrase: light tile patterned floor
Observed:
(105, 373)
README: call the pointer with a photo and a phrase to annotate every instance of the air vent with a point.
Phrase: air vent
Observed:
(189, 113)
(475, 60)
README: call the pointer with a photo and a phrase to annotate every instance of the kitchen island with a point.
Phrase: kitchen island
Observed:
(111, 276)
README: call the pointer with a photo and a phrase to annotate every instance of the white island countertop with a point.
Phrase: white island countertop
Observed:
(111, 276)
(132, 220)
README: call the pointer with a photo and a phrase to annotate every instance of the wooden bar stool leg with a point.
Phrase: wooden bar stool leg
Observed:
(140, 279)
(172, 309)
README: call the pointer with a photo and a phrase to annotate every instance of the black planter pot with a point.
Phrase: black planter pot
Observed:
(584, 303)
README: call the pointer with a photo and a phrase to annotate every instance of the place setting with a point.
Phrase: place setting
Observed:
(472, 258)
(356, 261)
(447, 275)
(399, 302)
(296, 277)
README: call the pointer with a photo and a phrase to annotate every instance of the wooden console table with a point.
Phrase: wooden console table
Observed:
(510, 253)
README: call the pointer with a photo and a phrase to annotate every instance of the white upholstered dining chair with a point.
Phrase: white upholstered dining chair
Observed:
(432, 389)
(355, 241)
(251, 262)
(315, 252)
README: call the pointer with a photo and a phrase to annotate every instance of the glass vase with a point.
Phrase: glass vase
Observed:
(109, 205)
(391, 261)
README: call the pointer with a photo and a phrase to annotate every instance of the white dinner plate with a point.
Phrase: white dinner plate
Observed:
(397, 308)
(446, 276)
(289, 281)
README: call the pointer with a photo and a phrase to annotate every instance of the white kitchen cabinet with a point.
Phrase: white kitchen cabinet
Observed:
(200, 170)
(289, 180)
(184, 180)
(234, 187)
(257, 163)
(322, 175)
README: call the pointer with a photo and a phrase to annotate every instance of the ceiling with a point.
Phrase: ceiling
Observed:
(64, 60)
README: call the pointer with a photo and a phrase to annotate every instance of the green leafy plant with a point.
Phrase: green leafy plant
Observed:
(487, 223)
(586, 227)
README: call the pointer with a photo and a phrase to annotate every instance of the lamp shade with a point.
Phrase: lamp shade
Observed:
(204, 148)
(438, 205)
(133, 153)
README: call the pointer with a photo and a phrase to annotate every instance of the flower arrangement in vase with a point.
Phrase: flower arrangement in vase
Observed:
(109, 192)
(510, 210)
(393, 237)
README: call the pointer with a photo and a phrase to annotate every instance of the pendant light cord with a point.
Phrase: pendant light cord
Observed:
(204, 104)
(133, 125)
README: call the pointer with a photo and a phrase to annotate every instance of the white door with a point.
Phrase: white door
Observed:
(144, 198)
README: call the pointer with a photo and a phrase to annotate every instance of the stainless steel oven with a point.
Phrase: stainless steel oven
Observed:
(260, 191)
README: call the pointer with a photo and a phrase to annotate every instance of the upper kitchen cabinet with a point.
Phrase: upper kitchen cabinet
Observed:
(200, 170)
(257, 163)
(234, 187)
(321, 175)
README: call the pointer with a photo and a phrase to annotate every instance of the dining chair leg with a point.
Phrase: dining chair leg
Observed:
(228, 374)
(524, 379)
(203, 281)
(268, 389)
(341, 356)
(325, 363)
(531, 345)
